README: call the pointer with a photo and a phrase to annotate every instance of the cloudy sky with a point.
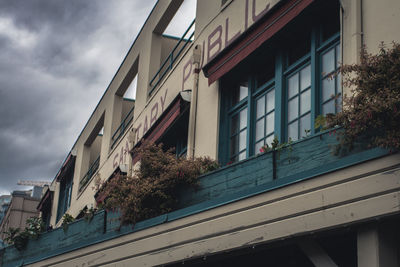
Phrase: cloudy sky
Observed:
(56, 60)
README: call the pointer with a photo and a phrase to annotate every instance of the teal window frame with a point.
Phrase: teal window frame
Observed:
(65, 195)
(282, 71)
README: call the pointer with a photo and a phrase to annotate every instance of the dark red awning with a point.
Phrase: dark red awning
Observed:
(170, 115)
(46, 200)
(68, 163)
(253, 38)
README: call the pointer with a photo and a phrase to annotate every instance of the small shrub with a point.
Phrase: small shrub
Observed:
(19, 238)
(372, 112)
(153, 188)
(67, 219)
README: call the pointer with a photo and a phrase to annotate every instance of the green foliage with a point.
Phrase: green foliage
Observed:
(18, 238)
(277, 146)
(34, 226)
(67, 218)
(89, 213)
(372, 112)
(320, 123)
(153, 188)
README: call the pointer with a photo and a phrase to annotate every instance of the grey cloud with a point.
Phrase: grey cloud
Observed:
(50, 86)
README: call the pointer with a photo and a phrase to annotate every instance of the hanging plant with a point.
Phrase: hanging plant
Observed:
(152, 190)
(372, 112)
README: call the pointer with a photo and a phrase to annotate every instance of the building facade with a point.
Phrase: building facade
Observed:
(4, 203)
(245, 72)
(22, 206)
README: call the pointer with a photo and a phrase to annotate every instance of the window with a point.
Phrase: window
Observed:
(281, 88)
(65, 193)
(299, 103)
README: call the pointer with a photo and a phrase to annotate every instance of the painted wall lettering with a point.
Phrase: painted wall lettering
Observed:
(120, 157)
(213, 43)
(259, 15)
(154, 114)
(227, 40)
(214, 40)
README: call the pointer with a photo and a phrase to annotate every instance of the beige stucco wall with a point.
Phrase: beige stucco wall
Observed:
(21, 208)
(215, 26)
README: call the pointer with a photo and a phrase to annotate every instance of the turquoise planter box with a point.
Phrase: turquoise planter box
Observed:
(306, 159)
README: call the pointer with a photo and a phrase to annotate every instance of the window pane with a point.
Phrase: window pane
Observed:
(338, 59)
(305, 77)
(339, 103)
(270, 100)
(305, 102)
(260, 129)
(305, 124)
(339, 83)
(243, 92)
(242, 140)
(239, 93)
(293, 85)
(328, 107)
(260, 107)
(269, 140)
(293, 131)
(328, 62)
(234, 145)
(270, 123)
(234, 124)
(242, 155)
(293, 109)
(243, 119)
(258, 147)
(328, 89)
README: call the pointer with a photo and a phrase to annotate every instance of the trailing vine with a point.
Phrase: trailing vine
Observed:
(153, 188)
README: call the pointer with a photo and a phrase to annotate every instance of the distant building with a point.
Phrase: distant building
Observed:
(21, 207)
(4, 203)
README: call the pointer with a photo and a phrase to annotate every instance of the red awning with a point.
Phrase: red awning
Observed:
(253, 38)
(68, 163)
(159, 128)
(46, 200)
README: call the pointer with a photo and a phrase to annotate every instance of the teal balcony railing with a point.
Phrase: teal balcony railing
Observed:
(92, 170)
(172, 57)
(122, 127)
(307, 159)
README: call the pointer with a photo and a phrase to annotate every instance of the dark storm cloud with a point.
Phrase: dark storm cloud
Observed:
(56, 60)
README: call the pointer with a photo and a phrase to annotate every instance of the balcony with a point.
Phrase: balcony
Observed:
(92, 170)
(307, 159)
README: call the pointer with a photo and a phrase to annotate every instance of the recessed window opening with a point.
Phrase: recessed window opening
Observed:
(174, 32)
(182, 19)
(91, 154)
(130, 92)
